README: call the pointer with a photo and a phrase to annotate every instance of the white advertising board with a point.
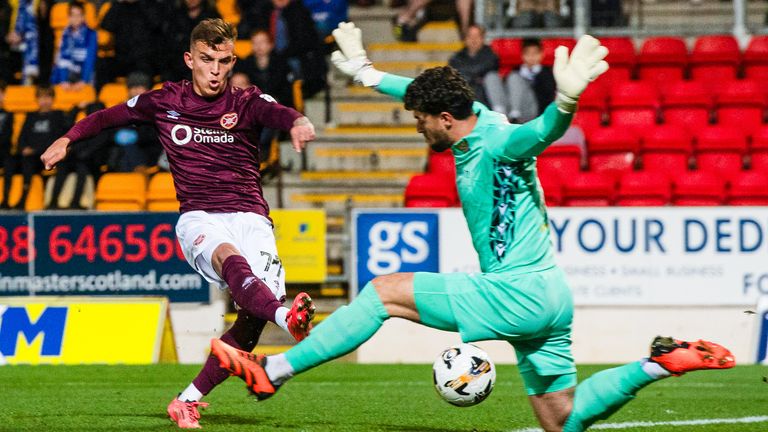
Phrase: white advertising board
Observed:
(632, 256)
(645, 256)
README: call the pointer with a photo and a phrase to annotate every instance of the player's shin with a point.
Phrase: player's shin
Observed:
(340, 333)
(244, 334)
(248, 291)
(604, 393)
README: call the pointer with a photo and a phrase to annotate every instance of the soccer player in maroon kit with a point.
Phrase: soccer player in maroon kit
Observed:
(210, 132)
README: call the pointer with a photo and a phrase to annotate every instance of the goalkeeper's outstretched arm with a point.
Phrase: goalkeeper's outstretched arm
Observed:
(352, 60)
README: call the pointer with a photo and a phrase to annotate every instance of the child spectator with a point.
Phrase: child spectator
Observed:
(76, 59)
(40, 129)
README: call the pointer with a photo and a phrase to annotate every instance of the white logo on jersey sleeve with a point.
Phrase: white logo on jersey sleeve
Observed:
(132, 101)
(267, 98)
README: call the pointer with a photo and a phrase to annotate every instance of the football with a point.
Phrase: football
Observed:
(464, 375)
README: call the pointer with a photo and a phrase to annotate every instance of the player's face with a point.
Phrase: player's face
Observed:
(262, 46)
(240, 80)
(210, 67)
(433, 127)
(76, 17)
(474, 39)
(532, 56)
(45, 102)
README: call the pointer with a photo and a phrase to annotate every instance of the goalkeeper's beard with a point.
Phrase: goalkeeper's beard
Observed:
(437, 141)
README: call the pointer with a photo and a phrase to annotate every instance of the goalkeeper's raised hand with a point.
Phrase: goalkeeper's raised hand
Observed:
(351, 58)
(572, 74)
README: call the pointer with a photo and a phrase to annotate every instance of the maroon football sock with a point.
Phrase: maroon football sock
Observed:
(243, 335)
(248, 291)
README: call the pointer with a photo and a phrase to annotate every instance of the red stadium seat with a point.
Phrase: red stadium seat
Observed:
(588, 119)
(592, 105)
(588, 189)
(686, 104)
(756, 58)
(715, 58)
(553, 190)
(633, 104)
(548, 47)
(612, 150)
(430, 190)
(666, 149)
(662, 59)
(643, 188)
(621, 57)
(720, 149)
(749, 188)
(759, 150)
(560, 161)
(740, 104)
(698, 188)
(442, 164)
(509, 51)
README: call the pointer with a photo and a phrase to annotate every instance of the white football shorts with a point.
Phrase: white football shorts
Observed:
(200, 233)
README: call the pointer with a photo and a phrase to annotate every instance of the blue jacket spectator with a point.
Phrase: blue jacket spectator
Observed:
(25, 37)
(76, 59)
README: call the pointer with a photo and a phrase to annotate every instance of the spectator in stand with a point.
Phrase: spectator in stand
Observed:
(24, 37)
(266, 69)
(76, 60)
(295, 37)
(7, 152)
(327, 14)
(85, 158)
(7, 60)
(40, 128)
(137, 146)
(529, 89)
(184, 16)
(240, 80)
(536, 13)
(406, 24)
(137, 27)
(476, 61)
(249, 10)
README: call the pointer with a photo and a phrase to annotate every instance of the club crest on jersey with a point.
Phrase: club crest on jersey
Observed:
(229, 120)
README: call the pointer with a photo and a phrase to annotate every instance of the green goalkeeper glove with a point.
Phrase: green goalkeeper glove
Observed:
(351, 58)
(573, 74)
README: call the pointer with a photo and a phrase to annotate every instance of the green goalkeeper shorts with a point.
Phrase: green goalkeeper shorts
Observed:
(532, 311)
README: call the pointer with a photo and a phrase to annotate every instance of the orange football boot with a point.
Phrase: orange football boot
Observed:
(679, 357)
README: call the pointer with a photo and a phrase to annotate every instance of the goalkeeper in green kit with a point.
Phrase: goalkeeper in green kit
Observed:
(521, 296)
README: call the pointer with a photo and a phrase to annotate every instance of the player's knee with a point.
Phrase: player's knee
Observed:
(389, 287)
(221, 253)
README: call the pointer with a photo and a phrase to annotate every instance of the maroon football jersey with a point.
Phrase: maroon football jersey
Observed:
(212, 144)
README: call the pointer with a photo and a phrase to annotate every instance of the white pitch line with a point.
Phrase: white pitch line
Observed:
(648, 424)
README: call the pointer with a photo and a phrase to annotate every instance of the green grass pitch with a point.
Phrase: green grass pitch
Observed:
(344, 397)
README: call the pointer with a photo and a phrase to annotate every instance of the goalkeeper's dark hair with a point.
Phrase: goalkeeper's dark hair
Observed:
(440, 89)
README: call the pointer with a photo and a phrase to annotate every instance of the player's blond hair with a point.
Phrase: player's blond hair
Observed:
(213, 32)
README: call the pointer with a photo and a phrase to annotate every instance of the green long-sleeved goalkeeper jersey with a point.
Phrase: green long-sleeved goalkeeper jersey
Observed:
(500, 194)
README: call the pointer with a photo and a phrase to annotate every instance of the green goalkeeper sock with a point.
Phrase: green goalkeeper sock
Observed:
(343, 331)
(604, 393)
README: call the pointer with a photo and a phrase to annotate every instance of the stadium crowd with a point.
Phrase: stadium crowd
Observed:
(71, 58)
